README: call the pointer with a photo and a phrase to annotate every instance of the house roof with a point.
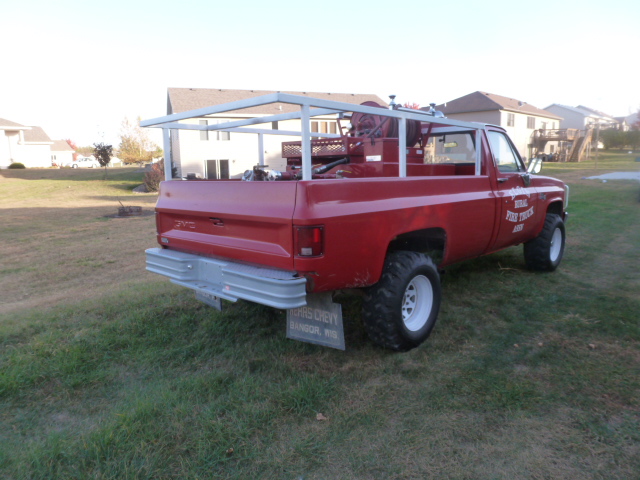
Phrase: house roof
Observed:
(633, 118)
(61, 146)
(4, 123)
(585, 112)
(483, 101)
(184, 99)
(36, 135)
(595, 112)
(570, 109)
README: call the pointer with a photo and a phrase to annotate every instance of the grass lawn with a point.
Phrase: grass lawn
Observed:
(110, 372)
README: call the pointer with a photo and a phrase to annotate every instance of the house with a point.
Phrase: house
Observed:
(580, 117)
(633, 120)
(30, 146)
(61, 153)
(220, 154)
(519, 118)
(623, 124)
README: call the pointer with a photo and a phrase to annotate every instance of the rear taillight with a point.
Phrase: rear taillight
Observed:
(309, 241)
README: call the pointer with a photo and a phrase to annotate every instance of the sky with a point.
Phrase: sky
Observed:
(78, 68)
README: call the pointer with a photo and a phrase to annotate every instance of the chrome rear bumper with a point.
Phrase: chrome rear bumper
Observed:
(229, 280)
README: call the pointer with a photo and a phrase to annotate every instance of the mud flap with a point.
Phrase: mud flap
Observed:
(211, 300)
(319, 322)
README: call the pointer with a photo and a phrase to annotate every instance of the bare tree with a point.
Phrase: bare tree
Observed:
(135, 144)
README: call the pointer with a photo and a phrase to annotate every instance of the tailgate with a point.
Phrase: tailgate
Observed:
(246, 221)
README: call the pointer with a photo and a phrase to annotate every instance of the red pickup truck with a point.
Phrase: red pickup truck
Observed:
(381, 207)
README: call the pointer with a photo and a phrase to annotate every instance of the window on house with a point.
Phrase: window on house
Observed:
(217, 169)
(215, 134)
(274, 125)
(222, 136)
(531, 122)
(204, 134)
(511, 119)
(323, 126)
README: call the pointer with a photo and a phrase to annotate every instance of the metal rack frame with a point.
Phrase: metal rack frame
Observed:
(309, 107)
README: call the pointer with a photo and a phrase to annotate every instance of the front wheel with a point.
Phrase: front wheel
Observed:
(400, 311)
(544, 253)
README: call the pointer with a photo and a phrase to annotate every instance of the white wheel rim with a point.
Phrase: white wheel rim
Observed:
(556, 245)
(417, 303)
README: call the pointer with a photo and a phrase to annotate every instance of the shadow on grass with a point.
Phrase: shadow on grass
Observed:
(76, 174)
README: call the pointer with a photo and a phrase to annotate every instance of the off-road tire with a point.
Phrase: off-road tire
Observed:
(544, 253)
(400, 310)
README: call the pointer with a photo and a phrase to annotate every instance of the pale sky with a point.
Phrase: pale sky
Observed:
(78, 68)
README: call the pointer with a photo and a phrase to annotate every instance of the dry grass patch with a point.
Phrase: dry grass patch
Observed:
(57, 244)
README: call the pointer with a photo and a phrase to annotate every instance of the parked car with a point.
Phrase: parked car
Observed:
(85, 162)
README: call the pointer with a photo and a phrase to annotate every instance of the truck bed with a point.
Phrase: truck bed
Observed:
(253, 222)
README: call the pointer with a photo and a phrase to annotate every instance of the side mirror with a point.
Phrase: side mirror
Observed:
(535, 165)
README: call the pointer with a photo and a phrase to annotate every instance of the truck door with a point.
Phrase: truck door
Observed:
(516, 197)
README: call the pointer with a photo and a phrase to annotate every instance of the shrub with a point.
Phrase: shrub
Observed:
(17, 165)
(153, 177)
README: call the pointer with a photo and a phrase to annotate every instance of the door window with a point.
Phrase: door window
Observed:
(507, 160)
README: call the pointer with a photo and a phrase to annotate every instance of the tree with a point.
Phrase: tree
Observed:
(103, 154)
(73, 145)
(135, 144)
(85, 151)
(612, 138)
(633, 139)
(636, 125)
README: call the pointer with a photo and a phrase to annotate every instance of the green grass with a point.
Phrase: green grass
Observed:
(525, 376)
(607, 160)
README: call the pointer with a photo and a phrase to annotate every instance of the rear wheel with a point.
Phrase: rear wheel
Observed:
(544, 253)
(400, 311)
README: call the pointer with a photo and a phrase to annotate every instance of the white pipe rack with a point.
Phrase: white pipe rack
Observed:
(309, 107)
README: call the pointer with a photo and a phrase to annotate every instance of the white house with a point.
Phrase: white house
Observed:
(61, 153)
(623, 124)
(30, 146)
(218, 154)
(580, 117)
(632, 120)
(519, 118)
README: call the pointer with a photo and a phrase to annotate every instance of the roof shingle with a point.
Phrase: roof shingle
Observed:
(8, 123)
(184, 99)
(36, 135)
(61, 146)
(483, 101)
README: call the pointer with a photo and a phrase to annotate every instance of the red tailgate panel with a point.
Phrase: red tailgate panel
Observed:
(246, 221)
